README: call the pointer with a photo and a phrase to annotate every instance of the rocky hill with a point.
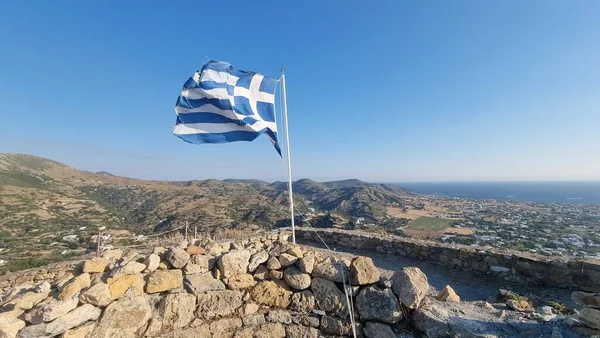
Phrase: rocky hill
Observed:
(49, 210)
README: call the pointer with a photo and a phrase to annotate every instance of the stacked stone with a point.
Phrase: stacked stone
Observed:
(264, 287)
(589, 316)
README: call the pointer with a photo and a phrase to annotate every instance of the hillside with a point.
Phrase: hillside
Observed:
(49, 210)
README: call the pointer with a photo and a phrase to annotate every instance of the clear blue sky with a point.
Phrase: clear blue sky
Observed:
(377, 90)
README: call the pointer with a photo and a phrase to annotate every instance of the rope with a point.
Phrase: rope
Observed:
(348, 295)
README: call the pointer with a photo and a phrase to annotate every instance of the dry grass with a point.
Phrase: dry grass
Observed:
(459, 231)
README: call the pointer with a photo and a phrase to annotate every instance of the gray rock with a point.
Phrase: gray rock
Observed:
(328, 297)
(378, 330)
(261, 273)
(205, 262)
(279, 316)
(201, 283)
(333, 271)
(586, 299)
(335, 326)
(177, 310)
(432, 321)
(72, 319)
(545, 310)
(47, 312)
(257, 259)
(303, 302)
(178, 257)
(123, 318)
(300, 331)
(410, 285)
(296, 278)
(254, 320)
(218, 303)
(591, 317)
(380, 305)
(234, 263)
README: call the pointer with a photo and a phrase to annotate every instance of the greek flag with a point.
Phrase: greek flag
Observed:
(221, 104)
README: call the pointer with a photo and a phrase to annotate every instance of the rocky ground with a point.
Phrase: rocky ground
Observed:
(471, 287)
(481, 311)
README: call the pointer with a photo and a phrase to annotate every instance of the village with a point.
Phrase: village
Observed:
(552, 229)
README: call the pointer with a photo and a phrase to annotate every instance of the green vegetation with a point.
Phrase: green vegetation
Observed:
(431, 223)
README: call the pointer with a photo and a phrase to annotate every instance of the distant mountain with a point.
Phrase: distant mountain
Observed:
(42, 202)
(104, 173)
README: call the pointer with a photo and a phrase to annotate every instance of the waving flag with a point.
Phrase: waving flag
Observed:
(220, 104)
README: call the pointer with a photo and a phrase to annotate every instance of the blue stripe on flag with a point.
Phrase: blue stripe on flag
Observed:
(211, 118)
(231, 136)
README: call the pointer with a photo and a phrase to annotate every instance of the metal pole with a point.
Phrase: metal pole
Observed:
(98, 244)
(287, 145)
(195, 231)
(186, 230)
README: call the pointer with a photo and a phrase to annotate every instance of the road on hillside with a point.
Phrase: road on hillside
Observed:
(470, 287)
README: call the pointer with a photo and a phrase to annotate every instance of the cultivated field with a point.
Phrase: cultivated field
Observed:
(431, 223)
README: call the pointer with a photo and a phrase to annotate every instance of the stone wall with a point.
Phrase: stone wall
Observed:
(510, 265)
(260, 287)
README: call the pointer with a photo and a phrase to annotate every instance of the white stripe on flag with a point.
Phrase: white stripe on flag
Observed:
(215, 128)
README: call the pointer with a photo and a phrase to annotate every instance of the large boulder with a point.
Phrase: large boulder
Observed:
(303, 302)
(448, 294)
(164, 280)
(296, 278)
(178, 257)
(328, 297)
(432, 321)
(377, 304)
(410, 286)
(378, 330)
(234, 263)
(272, 294)
(26, 300)
(123, 318)
(203, 282)
(586, 299)
(48, 312)
(119, 284)
(363, 271)
(72, 319)
(257, 259)
(74, 286)
(218, 303)
(591, 317)
(177, 310)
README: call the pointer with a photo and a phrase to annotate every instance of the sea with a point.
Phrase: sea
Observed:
(575, 192)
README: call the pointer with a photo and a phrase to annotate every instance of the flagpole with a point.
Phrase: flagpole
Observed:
(287, 145)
